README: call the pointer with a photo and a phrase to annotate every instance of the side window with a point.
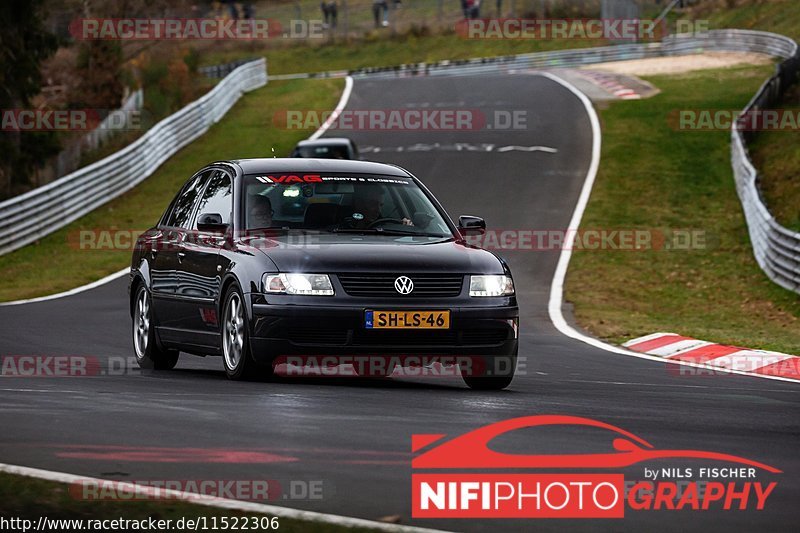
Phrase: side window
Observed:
(217, 198)
(184, 204)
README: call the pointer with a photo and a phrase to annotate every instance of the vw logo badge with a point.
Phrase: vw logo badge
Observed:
(403, 285)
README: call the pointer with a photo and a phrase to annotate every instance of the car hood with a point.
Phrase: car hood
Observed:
(351, 253)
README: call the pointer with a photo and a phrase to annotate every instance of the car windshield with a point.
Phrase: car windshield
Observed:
(323, 151)
(366, 204)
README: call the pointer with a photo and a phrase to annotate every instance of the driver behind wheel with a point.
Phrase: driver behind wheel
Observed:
(367, 205)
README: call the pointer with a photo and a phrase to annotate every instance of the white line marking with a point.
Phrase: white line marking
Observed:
(348, 88)
(44, 390)
(675, 347)
(528, 149)
(213, 501)
(701, 344)
(646, 338)
(76, 290)
(557, 285)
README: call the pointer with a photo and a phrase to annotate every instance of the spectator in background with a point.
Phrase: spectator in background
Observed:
(234, 11)
(377, 7)
(329, 12)
(475, 9)
(471, 8)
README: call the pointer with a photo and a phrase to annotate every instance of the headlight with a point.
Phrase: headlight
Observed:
(491, 286)
(307, 284)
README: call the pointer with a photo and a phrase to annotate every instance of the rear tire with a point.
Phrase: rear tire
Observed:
(149, 354)
(234, 333)
(497, 379)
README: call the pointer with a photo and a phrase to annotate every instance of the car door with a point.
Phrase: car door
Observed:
(199, 268)
(168, 256)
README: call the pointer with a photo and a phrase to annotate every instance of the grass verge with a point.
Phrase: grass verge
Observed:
(655, 177)
(778, 16)
(383, 51)
(440, 41)
(55, 263)
(776, 155)
(29, 499)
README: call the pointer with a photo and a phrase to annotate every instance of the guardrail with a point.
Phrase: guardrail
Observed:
(222, 70)
(777, 249)
(31, 216)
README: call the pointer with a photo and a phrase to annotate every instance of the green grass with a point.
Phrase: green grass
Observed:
(28, 499)
(778, 16)
(776, 154)
(423, 37)
(655, 177)
(419, 34)
(381, 51)
(53, 264)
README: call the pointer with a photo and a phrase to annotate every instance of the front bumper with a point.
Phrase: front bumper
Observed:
(278, 330)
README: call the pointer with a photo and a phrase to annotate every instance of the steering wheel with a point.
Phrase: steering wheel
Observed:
(382, 221)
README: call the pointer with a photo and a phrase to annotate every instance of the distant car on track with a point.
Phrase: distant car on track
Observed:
(327, 148)
(263, 258)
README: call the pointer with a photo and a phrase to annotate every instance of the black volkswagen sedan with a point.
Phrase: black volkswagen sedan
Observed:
(258, 260)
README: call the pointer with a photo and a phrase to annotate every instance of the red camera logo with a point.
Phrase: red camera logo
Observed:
(504, 494)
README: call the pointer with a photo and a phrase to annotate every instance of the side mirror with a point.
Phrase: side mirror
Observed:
(211, 222)
(469, 225)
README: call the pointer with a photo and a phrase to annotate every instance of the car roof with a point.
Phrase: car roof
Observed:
(297, 164)
(325, 141)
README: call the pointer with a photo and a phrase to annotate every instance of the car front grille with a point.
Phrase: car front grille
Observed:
(363, 337)
(484, 337)
(382, 285)
(334, 336)
(310, 335)
(478, 337)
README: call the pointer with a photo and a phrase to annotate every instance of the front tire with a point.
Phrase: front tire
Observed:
(488, 376)
(149, 354)
(236, 356)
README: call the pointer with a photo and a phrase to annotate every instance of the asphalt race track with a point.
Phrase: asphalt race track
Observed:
(354, 435)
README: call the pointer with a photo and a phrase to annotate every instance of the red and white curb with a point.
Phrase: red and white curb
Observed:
(611, 84)
(678, 348)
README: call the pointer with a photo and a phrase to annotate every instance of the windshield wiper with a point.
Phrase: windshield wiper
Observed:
(383, 231)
